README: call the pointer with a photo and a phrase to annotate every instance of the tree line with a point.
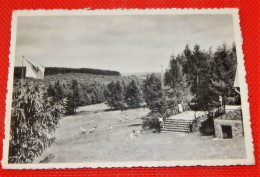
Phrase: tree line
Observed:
(116, 94)
(78, 94)
(203, 76)
(121, 96)
(61, 70)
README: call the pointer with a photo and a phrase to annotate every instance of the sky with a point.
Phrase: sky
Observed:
(124, 43)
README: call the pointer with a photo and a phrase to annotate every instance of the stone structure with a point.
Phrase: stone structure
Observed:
(229, 125)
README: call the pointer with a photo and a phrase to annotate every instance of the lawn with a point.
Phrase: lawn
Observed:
(106, 145)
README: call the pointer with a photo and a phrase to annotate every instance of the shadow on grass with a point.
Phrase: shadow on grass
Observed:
(134, 125)
(104, 110)
(112, 109)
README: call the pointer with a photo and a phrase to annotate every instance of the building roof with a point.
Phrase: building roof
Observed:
(232, 115)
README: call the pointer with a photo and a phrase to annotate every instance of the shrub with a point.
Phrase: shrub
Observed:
(34, 119)
(152, 122)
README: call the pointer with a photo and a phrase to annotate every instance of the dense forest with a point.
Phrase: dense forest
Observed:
(203, 76)
(60, 70)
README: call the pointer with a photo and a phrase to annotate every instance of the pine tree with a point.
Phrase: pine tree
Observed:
(50, 91)
(85, 98)
(223, 72)
(152, 89)
(58, 91)
(114, 95)
(133, 95)
(171, 74)
(176, 78)
(181, 90)
(73, 97)
(154, 95)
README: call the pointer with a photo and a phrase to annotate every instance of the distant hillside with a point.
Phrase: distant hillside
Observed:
(83, 78)
(140, 74)
(58, 70)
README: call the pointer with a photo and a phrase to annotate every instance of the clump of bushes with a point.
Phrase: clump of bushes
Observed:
(151, 121)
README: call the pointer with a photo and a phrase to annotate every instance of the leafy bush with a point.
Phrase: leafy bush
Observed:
(34, 119)
(152, 122)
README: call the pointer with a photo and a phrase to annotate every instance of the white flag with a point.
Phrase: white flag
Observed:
(34, 70)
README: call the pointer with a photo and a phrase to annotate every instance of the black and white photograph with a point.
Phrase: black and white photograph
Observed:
(125, 88)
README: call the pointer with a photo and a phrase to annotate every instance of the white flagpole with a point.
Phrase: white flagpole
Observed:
(162, 77)
(22, 81)
(22, 70)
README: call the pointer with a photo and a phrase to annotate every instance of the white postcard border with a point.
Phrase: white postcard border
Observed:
(250, 160)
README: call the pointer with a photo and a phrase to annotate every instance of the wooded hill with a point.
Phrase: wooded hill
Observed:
(60, 70)
(90, 87)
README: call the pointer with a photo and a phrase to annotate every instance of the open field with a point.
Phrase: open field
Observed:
(115, 145)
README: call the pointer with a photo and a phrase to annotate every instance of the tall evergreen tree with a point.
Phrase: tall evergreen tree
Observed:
(170, 75)
(73, 97)
(152, 89)
(114, 95)
(133, 95)
(176, 78)
(223, 69)
(181, 93)
(50, 91)
(58, 90)
(154, 96)
(85, 98)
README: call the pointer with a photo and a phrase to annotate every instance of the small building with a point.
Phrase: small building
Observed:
(229, 125)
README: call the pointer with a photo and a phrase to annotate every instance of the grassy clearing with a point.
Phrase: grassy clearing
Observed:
(115, 145)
